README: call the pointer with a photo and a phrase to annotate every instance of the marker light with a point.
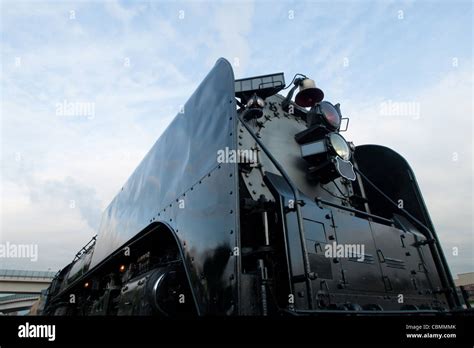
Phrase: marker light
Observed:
(330, 114)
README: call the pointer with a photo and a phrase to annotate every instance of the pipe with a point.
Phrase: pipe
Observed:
(297, 206)
(265, 226)
(354, 210)
(438, 256)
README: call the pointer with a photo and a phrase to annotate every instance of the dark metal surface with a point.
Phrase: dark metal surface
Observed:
(180, 182)
(395, 182)
(296, 196)
(257, 237)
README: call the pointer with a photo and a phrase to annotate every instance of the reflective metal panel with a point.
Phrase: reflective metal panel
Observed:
(184, 153)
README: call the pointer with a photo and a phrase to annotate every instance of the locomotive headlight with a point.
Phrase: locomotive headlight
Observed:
(333, 145)
(328, 158)
(339, 146)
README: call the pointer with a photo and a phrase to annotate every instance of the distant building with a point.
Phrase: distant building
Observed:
(465, 282)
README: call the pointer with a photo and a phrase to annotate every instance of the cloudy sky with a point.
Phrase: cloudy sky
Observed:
(132, 65)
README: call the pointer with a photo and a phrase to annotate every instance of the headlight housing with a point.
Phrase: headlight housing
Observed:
(329, 158)
(332, 144)
(330, 114)
(339, 145)
(326, 114)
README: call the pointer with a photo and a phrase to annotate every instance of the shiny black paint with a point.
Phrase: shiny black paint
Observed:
(180, 183)
(179, 190)
(393, 263)
(397, 180)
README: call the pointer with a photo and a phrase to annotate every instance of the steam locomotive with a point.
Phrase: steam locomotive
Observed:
(252, 203)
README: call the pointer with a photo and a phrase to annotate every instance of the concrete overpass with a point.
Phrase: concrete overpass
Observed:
(24, 282)
(18, 302)
(23, 288)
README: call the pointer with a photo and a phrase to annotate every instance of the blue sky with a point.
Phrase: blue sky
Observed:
(138, 62)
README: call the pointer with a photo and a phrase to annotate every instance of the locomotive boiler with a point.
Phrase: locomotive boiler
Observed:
(252, 203)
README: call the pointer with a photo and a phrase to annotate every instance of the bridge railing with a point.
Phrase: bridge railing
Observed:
(16, 274)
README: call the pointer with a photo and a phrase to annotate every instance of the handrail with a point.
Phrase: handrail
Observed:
(438, 256)
(357, 211)
(294, 189)
(85, 248)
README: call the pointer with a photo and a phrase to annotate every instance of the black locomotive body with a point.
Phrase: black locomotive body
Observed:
(251, 204)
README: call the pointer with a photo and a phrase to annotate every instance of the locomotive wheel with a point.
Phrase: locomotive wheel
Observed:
(171, 295)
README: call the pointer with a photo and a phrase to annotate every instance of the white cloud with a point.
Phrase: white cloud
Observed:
(430, 144)
(83, 60)
(232, 24)
(123, 14)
